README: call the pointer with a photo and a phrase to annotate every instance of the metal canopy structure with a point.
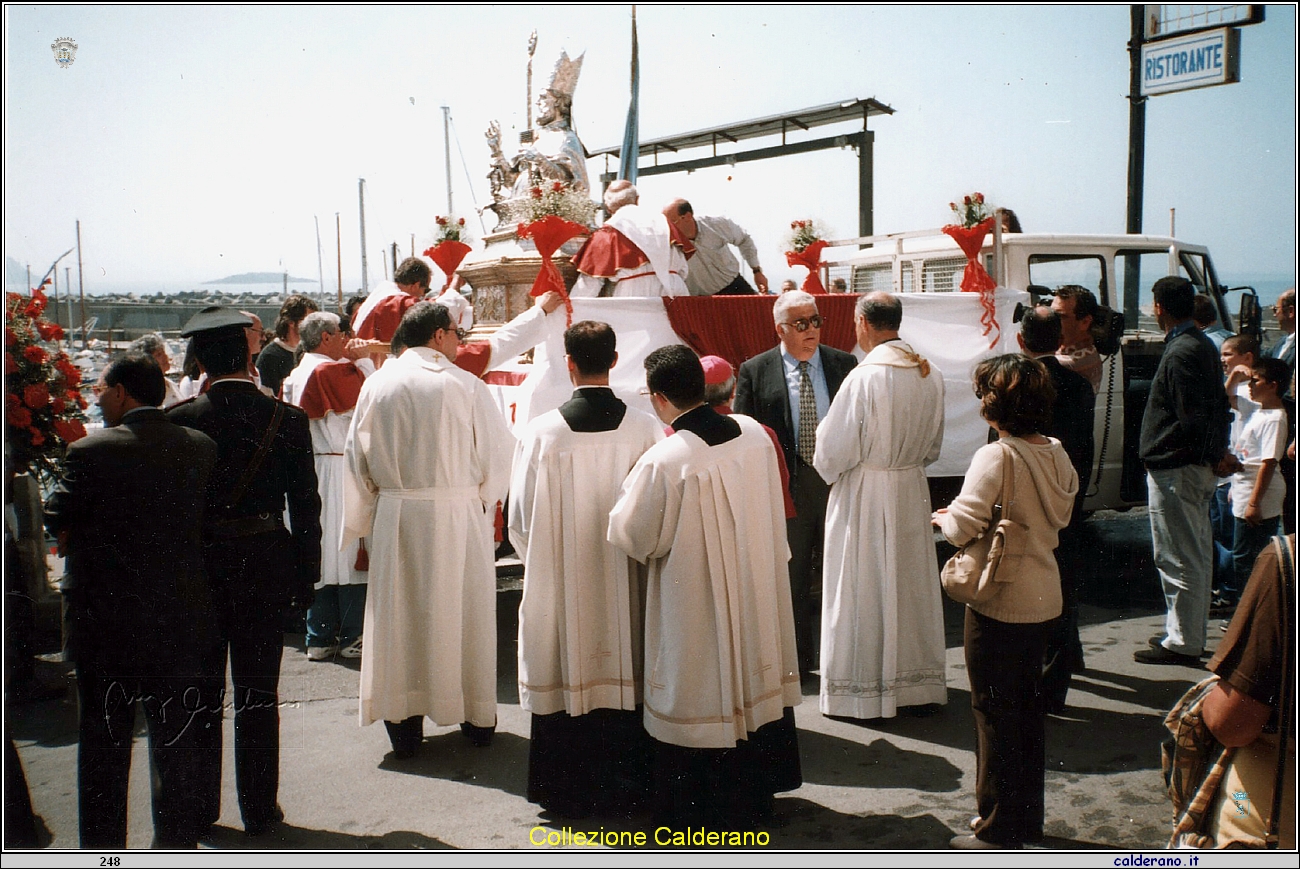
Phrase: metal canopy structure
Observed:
(774, 125)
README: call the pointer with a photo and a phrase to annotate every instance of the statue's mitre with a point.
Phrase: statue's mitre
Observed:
(565, 78)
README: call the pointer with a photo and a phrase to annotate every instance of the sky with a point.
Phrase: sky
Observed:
(198, 142)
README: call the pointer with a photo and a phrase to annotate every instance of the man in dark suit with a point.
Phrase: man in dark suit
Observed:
(789, 389)
(259, 570)
(128, 513)
(1072, 425)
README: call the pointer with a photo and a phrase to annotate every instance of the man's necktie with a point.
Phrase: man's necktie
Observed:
(807, 416)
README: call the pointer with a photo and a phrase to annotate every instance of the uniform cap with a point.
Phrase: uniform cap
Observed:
(215, 317)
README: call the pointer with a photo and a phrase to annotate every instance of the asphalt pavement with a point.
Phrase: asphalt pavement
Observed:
(902, 783)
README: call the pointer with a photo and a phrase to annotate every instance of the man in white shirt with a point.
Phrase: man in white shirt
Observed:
(428, 458)
(326, 385)
(714, 271)
(882, 612)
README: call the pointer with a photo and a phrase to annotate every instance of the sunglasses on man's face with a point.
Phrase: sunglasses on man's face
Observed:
(802, 325)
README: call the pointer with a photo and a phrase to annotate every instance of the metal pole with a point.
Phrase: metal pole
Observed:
(320, 262)
(446, 146)
(67, 300)
(866, 185)
(81, 285)
(1137, 120)
(338, 233)
(361, 193)
(532, 46)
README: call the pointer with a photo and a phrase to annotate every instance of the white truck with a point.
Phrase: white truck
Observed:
(1120, 270)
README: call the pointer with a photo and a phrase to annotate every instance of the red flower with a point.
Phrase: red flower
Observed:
(12, 401)
(69, 429)
(979, 197)
(71, 373)
(58, 405)
(36, 396)
(37, 437)
(537, 193)
(441, 221)
(11, 366)
(81, 401)
(37, 305)
(10, 338)
(49, 331)
(20, 417)
(461, 221)
(966, 201)
(557, 186)
(35, 355)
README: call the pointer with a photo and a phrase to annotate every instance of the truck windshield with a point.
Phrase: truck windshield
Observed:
(1138, 270)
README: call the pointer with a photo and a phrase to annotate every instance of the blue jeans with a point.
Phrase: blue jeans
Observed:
(1247, 543)
(1179, 505)
(336, 615)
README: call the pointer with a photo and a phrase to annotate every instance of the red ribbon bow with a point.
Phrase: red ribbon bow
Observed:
(975, 279)
(548, 234)
(811, 259)
(447, 255)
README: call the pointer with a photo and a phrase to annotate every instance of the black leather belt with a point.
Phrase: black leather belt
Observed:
(244, 526)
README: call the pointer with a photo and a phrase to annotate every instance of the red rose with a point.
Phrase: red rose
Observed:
(58, 405)
(966, 201)
(36, 396)
(537, 193)
(11, 364)
(69, 429)
(49, 331)
(461, 221)
(557, 186)
(441, 221)
(10, 338)
(35, 355)
(37, 437)
(81, 401)
(71, 373)
(20, 417)
(979, 197)
(12, 401)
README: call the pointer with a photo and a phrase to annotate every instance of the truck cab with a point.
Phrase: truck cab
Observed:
(1119, 270)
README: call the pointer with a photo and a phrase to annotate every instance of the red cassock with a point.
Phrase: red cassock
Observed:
(381, 322)
(332, 387)
(609, 250)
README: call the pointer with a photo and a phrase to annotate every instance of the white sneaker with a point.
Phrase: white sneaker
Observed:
(351, 650)
(321, 653)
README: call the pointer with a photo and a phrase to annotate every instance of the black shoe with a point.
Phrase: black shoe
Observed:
(265, 825)
(1162, 655)
(479, 737)
(1157, 641)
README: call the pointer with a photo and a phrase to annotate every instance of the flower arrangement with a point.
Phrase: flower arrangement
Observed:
(972, 210)
(804, 233)
(43, 405)
(555, 199)
(450, 229)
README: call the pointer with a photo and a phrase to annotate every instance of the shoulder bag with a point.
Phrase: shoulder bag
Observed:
(973, 574)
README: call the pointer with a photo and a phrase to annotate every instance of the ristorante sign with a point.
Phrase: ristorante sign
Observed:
(1198, 60)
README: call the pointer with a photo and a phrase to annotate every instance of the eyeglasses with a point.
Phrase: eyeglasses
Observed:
(802, 325)
(1254, 380)
(644, 392)
(461, 334)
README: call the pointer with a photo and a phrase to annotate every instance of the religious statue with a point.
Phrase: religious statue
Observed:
(550, 153)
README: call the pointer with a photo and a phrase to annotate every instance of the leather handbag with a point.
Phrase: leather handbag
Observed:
(975, 574)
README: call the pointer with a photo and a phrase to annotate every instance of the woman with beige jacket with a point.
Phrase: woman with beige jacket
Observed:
(1006, 635)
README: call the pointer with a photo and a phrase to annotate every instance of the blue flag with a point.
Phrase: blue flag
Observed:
(631, 152)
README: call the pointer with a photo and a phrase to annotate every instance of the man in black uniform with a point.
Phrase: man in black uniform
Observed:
(259, 570)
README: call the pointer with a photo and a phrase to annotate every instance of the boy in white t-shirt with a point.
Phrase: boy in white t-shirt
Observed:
(1257, 489)
(1238, 354)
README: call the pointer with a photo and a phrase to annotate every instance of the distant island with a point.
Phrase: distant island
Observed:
(260, 278)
